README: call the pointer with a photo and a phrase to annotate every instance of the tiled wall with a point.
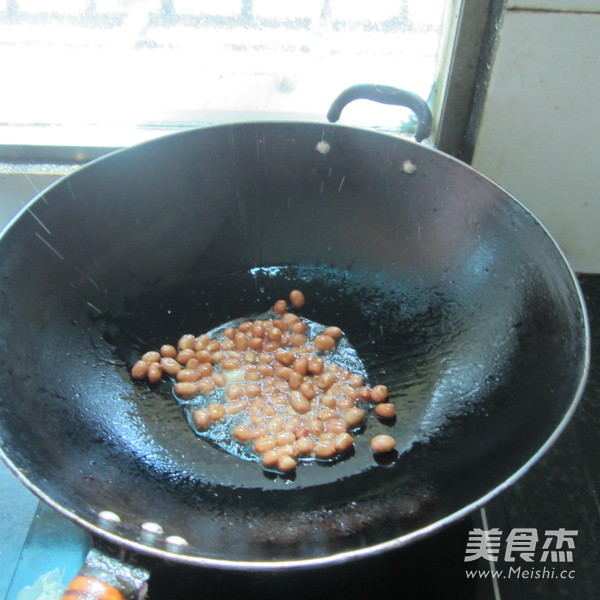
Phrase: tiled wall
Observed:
(540, 134)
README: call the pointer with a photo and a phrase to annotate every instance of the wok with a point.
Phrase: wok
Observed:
(452, 292)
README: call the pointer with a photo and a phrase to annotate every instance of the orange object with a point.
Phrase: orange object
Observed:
(90, 588)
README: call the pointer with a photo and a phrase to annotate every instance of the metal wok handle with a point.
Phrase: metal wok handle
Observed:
(385, 94)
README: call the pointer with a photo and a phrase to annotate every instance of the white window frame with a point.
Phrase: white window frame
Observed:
(471, 39)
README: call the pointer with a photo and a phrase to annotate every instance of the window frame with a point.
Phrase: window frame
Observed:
(471, 37)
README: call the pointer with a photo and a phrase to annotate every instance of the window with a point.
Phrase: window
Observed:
(113, 72)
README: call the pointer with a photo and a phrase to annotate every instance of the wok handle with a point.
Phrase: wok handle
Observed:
(90, 588)
(106, 578)
(385, 94)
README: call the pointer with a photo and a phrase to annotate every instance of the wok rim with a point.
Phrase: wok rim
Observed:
(348, 555)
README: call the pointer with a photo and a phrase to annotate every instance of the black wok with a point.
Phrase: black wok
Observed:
(453, 293)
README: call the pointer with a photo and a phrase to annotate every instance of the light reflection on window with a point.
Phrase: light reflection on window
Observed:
(107, 62)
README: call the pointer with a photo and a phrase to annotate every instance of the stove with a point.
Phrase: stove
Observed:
(40, 550)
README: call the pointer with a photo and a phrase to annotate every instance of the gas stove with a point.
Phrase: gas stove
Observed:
(558, 498)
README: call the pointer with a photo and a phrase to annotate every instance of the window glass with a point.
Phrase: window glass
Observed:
(76, 64)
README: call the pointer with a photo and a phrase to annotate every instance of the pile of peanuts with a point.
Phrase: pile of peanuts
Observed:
(295, 404)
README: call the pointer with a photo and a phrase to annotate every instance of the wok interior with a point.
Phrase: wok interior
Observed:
(452, 293)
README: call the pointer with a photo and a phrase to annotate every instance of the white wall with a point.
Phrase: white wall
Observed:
(540, 133)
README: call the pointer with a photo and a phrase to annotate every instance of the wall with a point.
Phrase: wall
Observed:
(17, 188)
(540, 133)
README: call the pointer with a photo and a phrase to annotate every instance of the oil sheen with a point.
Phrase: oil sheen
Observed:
(219, 433)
